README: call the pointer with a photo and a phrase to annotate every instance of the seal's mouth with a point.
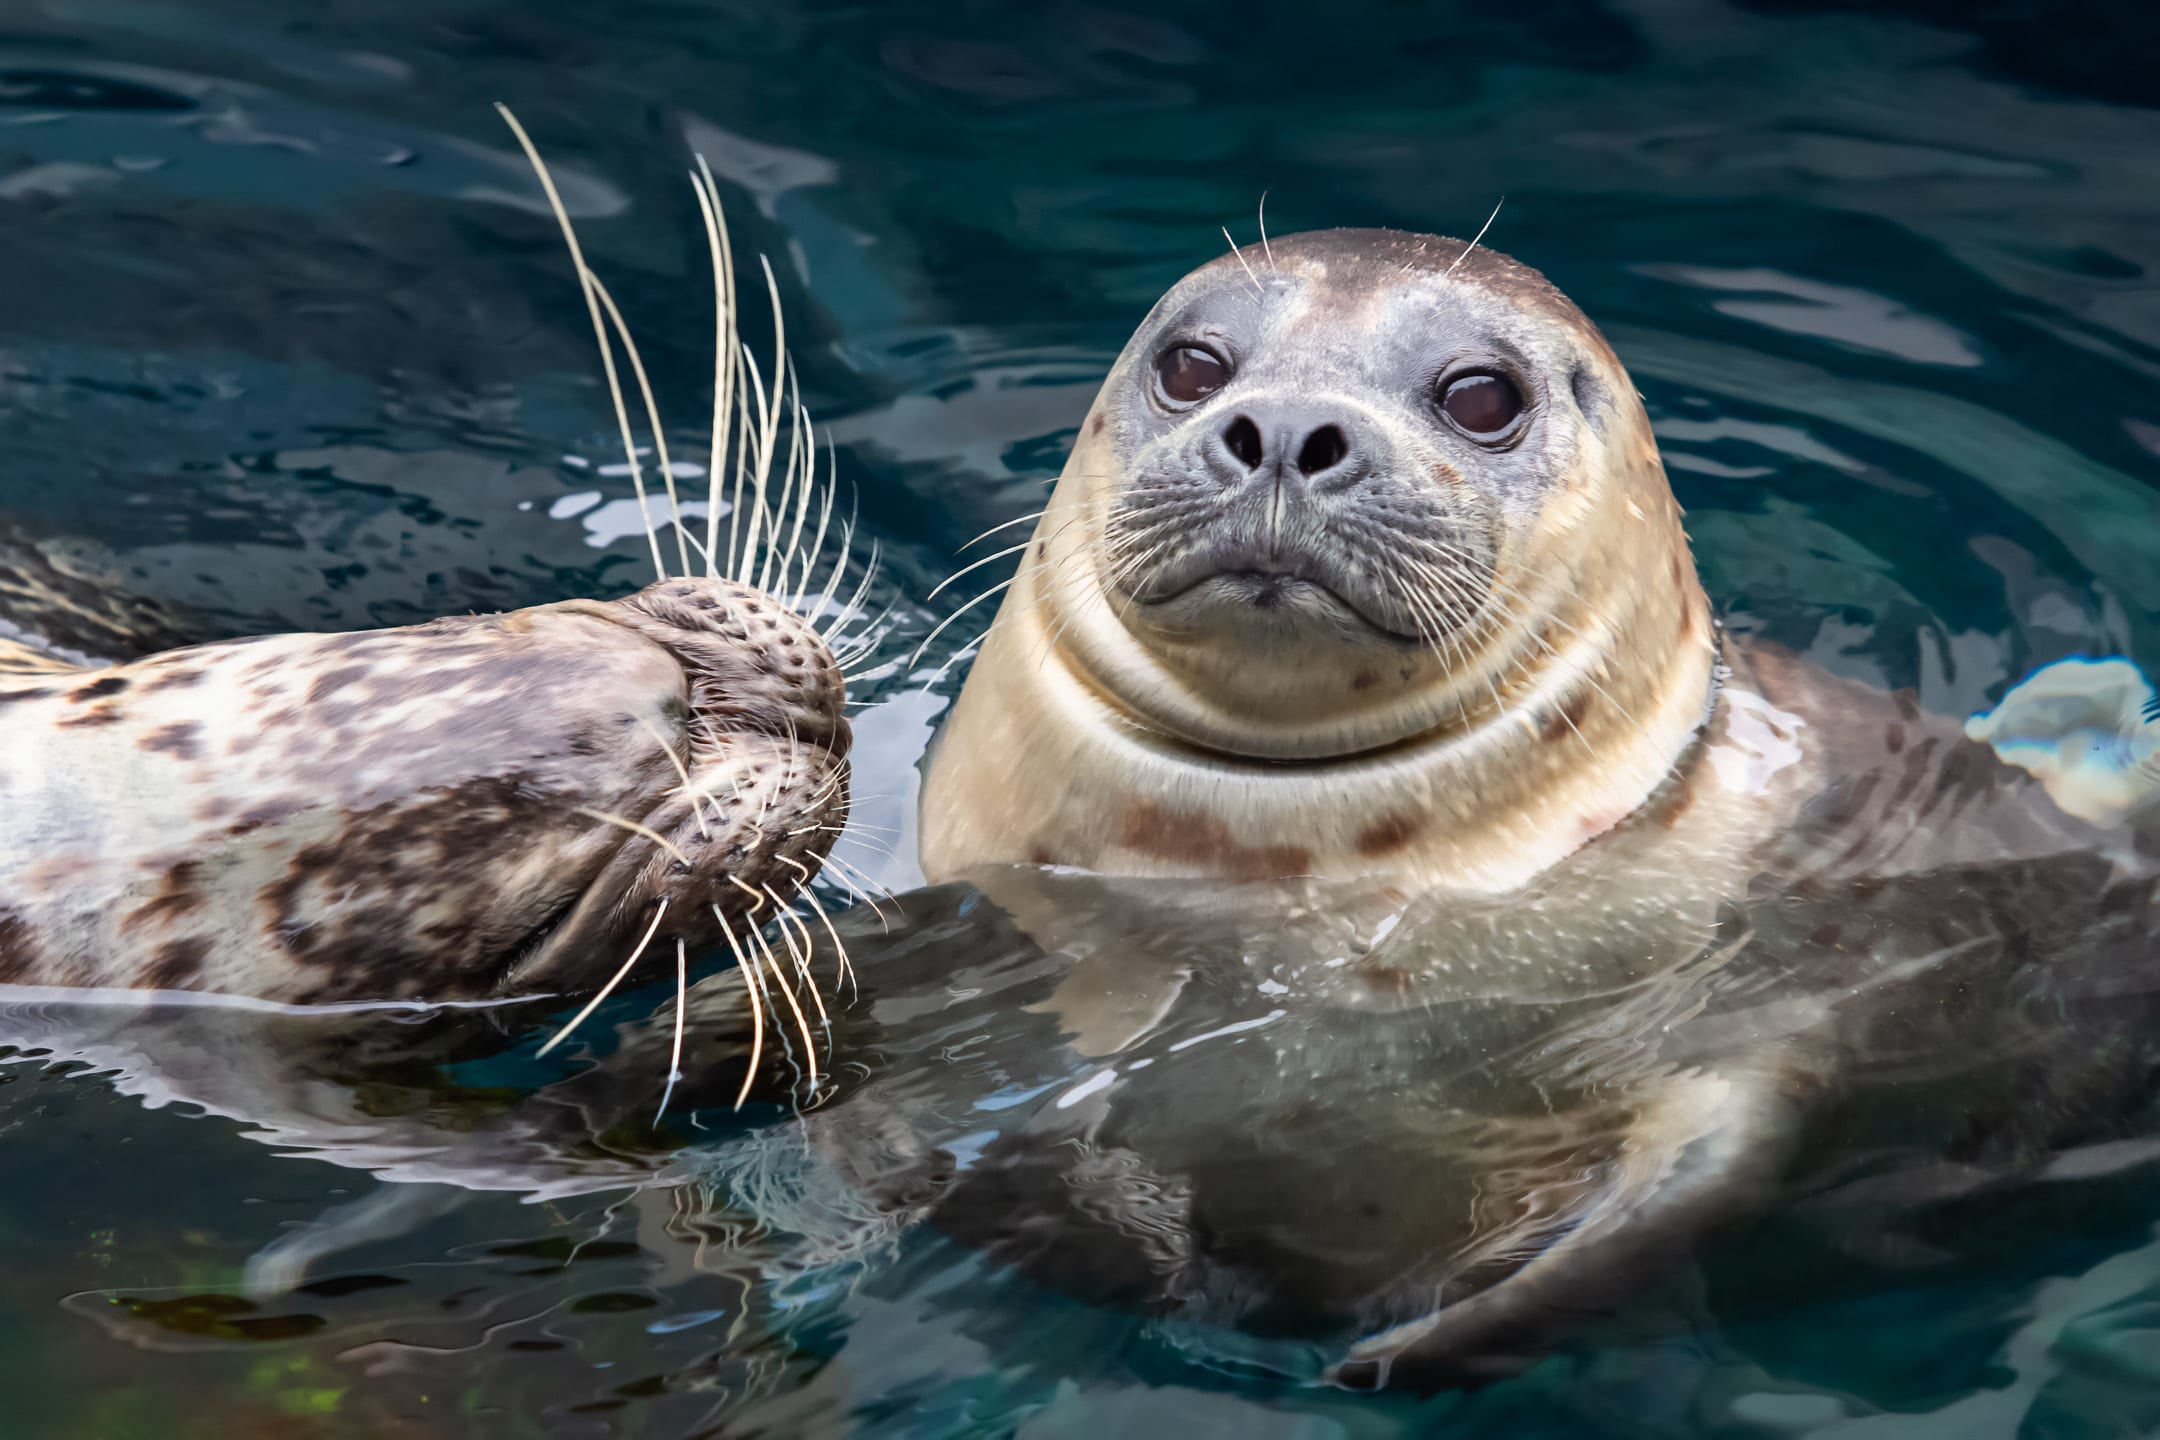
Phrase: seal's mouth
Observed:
(1210, 579)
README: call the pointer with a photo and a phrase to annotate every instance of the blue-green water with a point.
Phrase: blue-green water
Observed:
(283, 339)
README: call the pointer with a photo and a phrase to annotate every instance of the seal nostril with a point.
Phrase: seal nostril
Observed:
(1324, 450)
(1243, 438)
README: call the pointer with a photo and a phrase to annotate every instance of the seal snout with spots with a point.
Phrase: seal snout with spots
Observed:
(474, 806)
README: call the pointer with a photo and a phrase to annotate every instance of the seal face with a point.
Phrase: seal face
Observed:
(1354, 533)
(475, 806)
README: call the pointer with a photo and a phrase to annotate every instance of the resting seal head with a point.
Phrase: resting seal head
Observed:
(476, 806)
(1364, 562)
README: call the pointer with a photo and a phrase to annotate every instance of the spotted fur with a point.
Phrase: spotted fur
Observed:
(442, 811)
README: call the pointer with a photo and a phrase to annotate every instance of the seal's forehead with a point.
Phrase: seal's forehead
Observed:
(1348, 270)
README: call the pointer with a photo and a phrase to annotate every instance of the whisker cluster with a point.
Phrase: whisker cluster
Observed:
(768, 475)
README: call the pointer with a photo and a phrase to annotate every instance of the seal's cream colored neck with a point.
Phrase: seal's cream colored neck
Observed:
(1071, 745)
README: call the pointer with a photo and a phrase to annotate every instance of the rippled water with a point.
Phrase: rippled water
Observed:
(285, 339)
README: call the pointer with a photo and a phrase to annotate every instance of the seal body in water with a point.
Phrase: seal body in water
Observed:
(477, 806)
(1362, 639)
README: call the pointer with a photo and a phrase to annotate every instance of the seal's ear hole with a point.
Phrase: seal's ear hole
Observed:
(1589, 396)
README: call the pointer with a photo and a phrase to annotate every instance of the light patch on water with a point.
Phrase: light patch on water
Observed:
(1239, 1028)
(626, 519)
(1841, 313)
(688, 1321)
(1100, 1080)
(680, 469)
(1759, 743)
(2088, 730)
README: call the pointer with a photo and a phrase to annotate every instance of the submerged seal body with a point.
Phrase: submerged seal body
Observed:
(1361, 638)
(477, 806)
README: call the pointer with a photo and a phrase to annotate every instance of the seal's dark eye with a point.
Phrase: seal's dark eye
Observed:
(1482, 404)
(1189, 374)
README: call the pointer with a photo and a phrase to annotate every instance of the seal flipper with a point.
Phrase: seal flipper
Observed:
(1710, 1154)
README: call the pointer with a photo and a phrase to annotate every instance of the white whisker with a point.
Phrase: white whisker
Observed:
(609, 988)
(1479, 236)
(682, 1011)
(586, 285)
(652, 420)
(753, 983)
(636, 829)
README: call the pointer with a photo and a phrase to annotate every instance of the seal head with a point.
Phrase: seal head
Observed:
(1364, 561)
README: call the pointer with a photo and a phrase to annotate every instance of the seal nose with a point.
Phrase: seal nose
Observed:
(1290, 442)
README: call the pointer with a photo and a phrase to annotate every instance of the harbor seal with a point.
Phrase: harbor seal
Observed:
(476, 806)
(1363, 561)
(1533, 931)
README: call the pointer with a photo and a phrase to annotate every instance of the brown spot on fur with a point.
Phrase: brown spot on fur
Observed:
(270, 812)
(348, 905)
(1679, 803)
(327, 685)
(18, 953)
(178, 963)
(96, 689)
(178, 896)
(1389, 834)
(1040, 855)
(174, 677)
(1679, 572)
(1205, 842)
(1095, 427)
(1565, 720)
(106, 714)
(177, 740)
(1364, 680)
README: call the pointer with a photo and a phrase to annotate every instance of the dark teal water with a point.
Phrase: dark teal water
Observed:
(283, 340)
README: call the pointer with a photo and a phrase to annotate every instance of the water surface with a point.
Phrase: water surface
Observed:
(284, 337)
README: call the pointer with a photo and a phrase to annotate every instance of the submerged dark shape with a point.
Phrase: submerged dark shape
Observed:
(1236, 1108)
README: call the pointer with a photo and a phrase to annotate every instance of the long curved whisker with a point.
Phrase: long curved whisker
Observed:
(586, 283)
(753, 983)
(636, 829)
(652, 419)
(682, 1012)
(608, 989)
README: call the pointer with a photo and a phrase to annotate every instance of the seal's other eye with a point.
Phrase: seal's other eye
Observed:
(1190, 374)
(1482, 404)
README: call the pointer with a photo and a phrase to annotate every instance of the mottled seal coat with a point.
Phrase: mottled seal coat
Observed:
(471, 807)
